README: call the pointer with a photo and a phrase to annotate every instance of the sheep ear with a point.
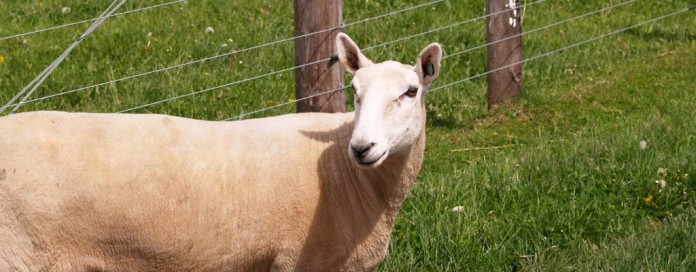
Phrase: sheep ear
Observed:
(428, 63)
(349, 54)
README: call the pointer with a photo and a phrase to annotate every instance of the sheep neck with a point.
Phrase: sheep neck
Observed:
(386, 186)
(356, 206)
(392, 180)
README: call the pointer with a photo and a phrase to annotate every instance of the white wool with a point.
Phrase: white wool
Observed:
(298, 192)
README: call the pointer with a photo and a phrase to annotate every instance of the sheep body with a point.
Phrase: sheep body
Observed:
(154, 192)
(299, 192)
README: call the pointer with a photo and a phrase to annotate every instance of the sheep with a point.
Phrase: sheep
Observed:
(146, 192)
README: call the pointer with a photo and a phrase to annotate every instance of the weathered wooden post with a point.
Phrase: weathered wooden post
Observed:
(504, 84)
(312, 16)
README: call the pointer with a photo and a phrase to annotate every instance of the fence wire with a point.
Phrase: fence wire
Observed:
(36, 82)
(238, 52)
(90, 20)
(221, 86)
(316, 62)
(448, 85)
(541, 28)
(325, 60)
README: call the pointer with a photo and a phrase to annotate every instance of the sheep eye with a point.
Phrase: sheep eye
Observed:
(411, 92)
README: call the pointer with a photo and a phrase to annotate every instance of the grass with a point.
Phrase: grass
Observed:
(570, 189)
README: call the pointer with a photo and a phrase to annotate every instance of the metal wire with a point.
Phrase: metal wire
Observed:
(316, 62)
(36, 82)
(222, 86)
(393, 13)
(449, 26)
(540, 28)
(236, 52)
(89, 20)
(494, 70)
(564, 48)
(239, 117)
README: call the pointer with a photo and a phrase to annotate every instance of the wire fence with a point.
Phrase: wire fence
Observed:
(315, 62)
(90, 20)
(527, 32)
(450, 84)
(415, 7)
(34, 84)
(235, 52)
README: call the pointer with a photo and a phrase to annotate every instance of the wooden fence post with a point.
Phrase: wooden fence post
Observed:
(312, 16)
(505, 83)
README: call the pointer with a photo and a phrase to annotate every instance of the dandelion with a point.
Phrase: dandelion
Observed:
(270, 103)
(209, 30)
(458, 209)
(291, 100)
(648, 199)
(643, 144)
(2, 58)
(65, 10)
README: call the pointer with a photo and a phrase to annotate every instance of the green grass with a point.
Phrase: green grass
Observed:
(569, 189)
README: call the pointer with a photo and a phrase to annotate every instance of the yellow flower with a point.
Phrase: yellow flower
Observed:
(291, 100)
(648, 199)
(270, 102)
(2, 58)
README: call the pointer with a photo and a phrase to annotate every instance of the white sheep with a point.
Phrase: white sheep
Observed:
(117, 192)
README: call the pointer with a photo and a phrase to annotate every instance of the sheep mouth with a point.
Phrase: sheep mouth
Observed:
(373, 162)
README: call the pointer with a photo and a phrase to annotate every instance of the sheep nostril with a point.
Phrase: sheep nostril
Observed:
(360, 151)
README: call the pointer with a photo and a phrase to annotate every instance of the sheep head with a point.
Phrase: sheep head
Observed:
(389, 101)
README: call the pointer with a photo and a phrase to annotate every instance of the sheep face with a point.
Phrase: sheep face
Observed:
(389, 101)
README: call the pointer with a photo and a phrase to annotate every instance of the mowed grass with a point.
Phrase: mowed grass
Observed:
(554, 181)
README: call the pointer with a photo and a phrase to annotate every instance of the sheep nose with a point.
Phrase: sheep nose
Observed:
(360, 149)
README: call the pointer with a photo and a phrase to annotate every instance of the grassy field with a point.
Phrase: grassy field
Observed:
(555, 181)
